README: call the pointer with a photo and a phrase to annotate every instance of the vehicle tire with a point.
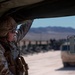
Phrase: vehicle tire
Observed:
(65, 64)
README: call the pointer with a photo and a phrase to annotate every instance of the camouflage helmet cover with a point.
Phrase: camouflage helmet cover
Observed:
(7, 24)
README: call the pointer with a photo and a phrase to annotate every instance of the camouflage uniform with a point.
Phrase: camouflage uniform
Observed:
(4, 69)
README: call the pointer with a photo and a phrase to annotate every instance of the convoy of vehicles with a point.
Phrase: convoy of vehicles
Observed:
(68, 52)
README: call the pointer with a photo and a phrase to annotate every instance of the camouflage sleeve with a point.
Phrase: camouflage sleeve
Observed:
(23, 29)
(4, 70)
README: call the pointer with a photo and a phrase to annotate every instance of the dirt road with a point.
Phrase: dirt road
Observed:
(48, 63)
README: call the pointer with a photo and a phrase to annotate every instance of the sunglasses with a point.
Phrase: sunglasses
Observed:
(13, 31)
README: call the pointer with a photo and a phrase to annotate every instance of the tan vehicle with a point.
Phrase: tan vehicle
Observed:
(68, 52)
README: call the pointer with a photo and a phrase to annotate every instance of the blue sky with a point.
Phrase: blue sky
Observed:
(62, 21)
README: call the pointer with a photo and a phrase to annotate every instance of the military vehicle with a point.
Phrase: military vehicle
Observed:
(68, 52)
(21, 10)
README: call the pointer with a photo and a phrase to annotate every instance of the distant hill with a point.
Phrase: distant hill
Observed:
(52, 29)
(46, 33)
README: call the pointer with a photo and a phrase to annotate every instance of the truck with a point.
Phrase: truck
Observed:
(68, 51)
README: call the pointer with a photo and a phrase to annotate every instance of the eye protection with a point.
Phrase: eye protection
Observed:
(13, 31)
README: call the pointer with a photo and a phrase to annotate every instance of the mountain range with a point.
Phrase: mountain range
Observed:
(47, 33)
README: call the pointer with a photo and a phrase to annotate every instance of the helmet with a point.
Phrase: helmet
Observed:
(7, 24)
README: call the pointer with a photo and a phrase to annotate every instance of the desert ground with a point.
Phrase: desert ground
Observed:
(48, 63)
